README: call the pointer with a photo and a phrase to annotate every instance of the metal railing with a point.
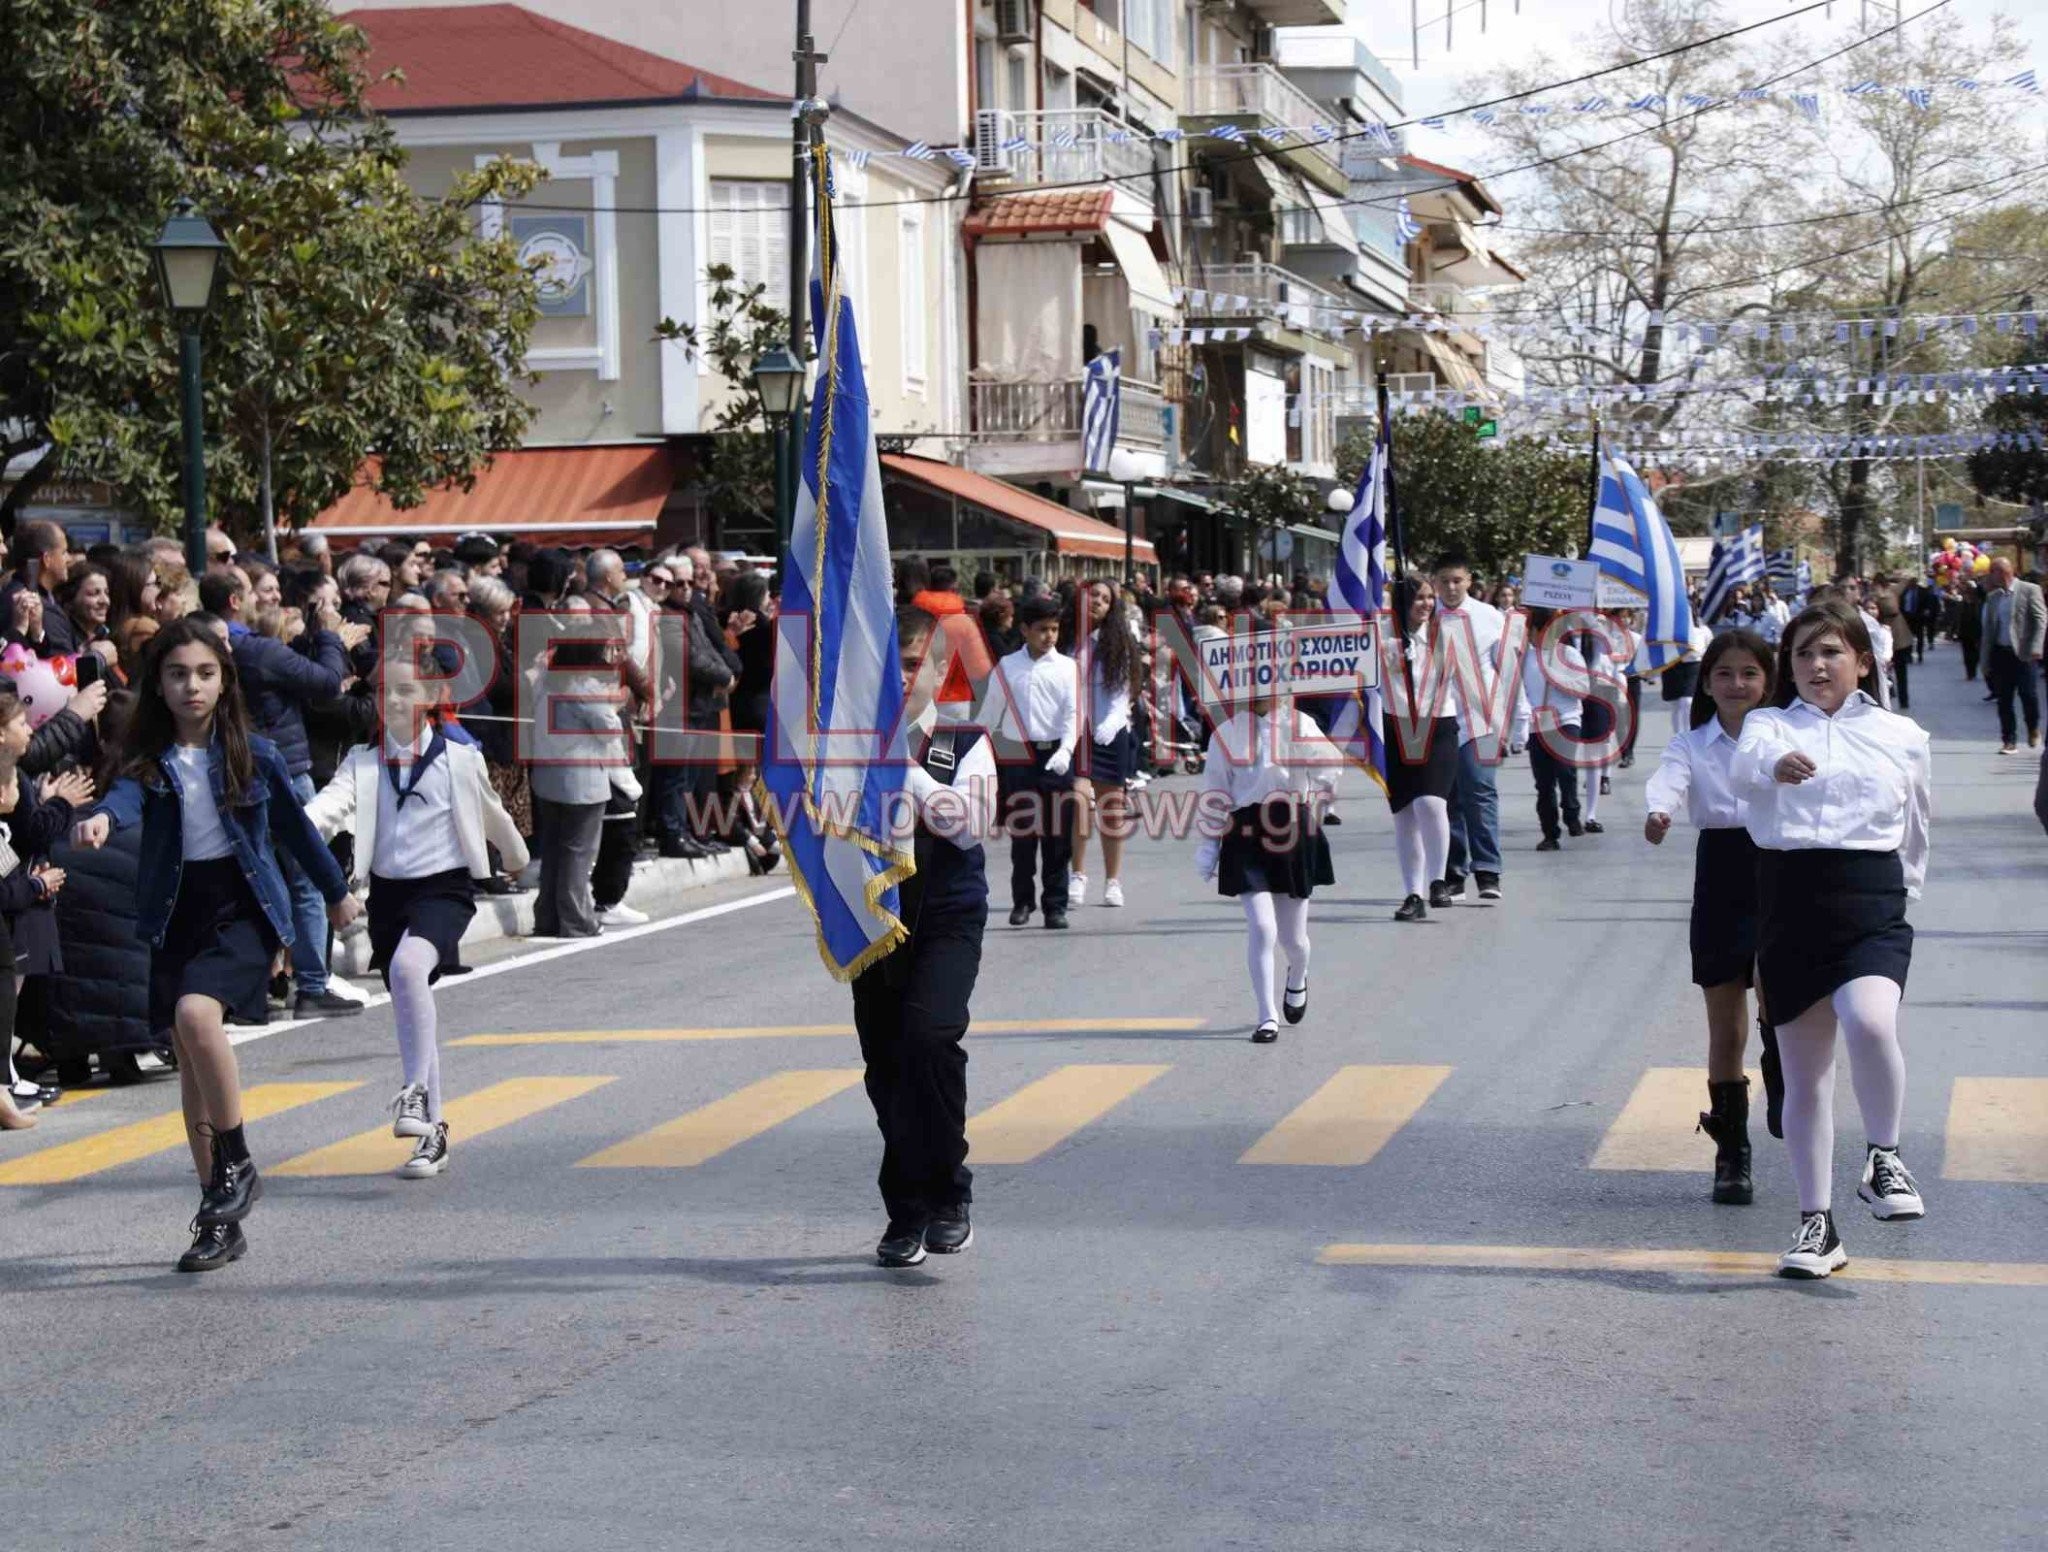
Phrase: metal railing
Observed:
(1258, 92)
(1060, 145)
(1051, 412)
(1275, 293)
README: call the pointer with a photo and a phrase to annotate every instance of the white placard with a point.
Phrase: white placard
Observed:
(1552, 582)
(1614, 593)
(1332, 659)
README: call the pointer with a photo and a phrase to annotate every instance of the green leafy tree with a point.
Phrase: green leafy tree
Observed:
(738, 466)
(358, 318)
(1270, 497)
(2018, 473)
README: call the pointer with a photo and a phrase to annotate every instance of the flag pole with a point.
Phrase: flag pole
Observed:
(1593, 485)
(1395, 546)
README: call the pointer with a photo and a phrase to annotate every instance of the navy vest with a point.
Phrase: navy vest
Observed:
(950, 878)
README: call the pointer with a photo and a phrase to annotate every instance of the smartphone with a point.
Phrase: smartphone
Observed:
(32, 573)
(87, 668)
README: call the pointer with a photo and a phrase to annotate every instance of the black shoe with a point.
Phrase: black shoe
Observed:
(1454, 889)
(1412, 910)
(1056, 920)
(1627, 760)
(1606, 786)
(1294, 1012)
(327, 1004)
(1727, 1122)
(1489, 885)
(1550, 843)
(715, 846)
(214, 1245)
(1595, 827)
(680, 846)
(1019, 915)
(902, 1243)
(949, 1231)
(1440, 896)
(1266, 1033)
(234, 1189)
(1574, 829)
(1818, 1250)
(1332, 819)
(280, 992)
(1774, 1081)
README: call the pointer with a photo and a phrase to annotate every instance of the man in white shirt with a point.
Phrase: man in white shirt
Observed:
(1040, 687)
(1475, 799)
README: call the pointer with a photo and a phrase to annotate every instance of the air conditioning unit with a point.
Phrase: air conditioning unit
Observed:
(1013, 21)
(1201, 209)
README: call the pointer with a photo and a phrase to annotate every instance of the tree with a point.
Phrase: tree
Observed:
(1270, 498)
(738, 466)
(358, 318)
(2018, 473)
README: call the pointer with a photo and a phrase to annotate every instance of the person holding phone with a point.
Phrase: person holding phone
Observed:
(29, 611)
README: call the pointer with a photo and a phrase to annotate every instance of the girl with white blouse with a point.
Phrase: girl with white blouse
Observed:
(1419, 782)
(1110, 659)
(1696, 777)
(1840, 794)
(1272, 770)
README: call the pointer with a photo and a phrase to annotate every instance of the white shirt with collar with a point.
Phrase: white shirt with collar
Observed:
(1873, 789)
(1109, 705)
(959, 813)
(1043, 699)
(1259, 755)
(1488, 625)
(1697, 774)
(1541, 690)
(416, 839)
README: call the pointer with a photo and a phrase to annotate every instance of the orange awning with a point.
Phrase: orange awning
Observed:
(1073, 533)
(600, 495)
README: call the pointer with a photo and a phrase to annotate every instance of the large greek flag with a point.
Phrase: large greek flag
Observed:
(1736, 563)
(1633, 544)
(1101, 402)
(1361, 586)
(838, 685)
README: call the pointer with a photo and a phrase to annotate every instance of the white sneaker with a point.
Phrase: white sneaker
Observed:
(1818, 1250)
(1077, 890)
(409, 1112)
(622, 915)
(1113, 892)
(1888, 1188)
(429, 1158)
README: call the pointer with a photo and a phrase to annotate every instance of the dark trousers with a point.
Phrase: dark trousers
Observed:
(1901, 661)
(2007, 674)
(1969, 646)
(616, 847)
(568, 834)
(1923, 633)
(1555, 782)
(1635, 717)
(911, 1013)
(1038, 812)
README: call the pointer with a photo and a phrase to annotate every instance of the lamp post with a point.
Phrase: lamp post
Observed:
(779, 380)
(1340, 502)
(186, 257)
(1126, 470)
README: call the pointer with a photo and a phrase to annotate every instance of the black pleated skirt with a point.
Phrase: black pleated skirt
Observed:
(1724, 908)
(1274, 848)
(437, 908)
(1113, 764)
(218, 944)
(1828, 918)
(1678, 682)
(1431, 777)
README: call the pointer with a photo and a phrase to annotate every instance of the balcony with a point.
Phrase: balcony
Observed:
(1051, 412)
(1259, 97)
(1060, 145)
(1298, 13)
(1276, 294)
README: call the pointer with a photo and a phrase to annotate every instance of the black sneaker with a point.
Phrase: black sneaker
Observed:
(1454, 889)
(1489, 885)
(1595, 827)
(214, 1245)
(1056, 920)
(949, 1232)
(1817, 1252)
(1550, 843)
(280, 992)
(1889, 1189)
(429, 1155)
(1294, 1004)
(902, 1243)
(327, 1004)
(1019, 915)
(1440, 896)
(1412, 910)
(1574, 828)
(234, 1189)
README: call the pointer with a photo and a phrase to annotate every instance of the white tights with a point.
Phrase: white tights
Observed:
(1422, 840)
(412, 1001)
(1867, 1010)
(1274, 921)
(1589, 805)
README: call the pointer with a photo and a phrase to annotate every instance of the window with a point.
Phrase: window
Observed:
(910, 271)
(750, 232)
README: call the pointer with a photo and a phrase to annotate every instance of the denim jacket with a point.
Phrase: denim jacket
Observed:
(272, 815)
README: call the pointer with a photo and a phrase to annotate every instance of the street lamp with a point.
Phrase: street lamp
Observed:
(186, 257)
(779, 380)
(1126, 468)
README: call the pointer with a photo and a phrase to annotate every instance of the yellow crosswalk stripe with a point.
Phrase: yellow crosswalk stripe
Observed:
(120, 1145)
(1711, 1263)
(1997, 1130)
(1136, 1026)
(725, 1123)
(1042, 1115)
(1655, 1129)
(1350, 1118)
(377, 1152)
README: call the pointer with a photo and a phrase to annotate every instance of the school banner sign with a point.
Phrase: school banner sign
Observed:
(1322, 659)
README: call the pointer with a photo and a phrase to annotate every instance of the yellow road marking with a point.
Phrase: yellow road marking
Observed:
(1712, 1263)
(1655, 1127)
(1350, 1118)
(1042, 1115)
(140, 1139)
(1997, 1130)
(377, 1152)
(725, 1123)
(76, 1096)
(1140, 1026)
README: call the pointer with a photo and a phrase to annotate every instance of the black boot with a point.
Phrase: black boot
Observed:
(233, 1190)
(1727, 1122)
(1774, 1081)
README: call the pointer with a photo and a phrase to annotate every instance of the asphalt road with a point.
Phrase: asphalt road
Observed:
(1154, 1342)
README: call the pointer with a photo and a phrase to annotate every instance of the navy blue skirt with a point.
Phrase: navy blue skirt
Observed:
(218, 944)
(1113, 764)
(1828, 918)
(1724, 908)
(437, 908)
(1274, 848)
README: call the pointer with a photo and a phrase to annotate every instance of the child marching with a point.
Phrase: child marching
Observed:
(1418, 790)
(1840, 797)
(1696, 777)
(214, 802)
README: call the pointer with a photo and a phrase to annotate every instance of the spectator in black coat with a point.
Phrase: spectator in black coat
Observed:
(32, 615)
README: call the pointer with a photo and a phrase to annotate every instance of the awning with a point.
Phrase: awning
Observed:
(1072, 533)
(1149, 291)
(1477, 264)
(1286, 189)
(600, 495)
(1454, 366)
(1336, 219)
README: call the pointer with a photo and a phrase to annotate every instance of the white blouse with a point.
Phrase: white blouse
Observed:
(1873, 788)
(1252, 757)
(1541, 690)
(1109, 706)
(1697, 772)
(199, 826)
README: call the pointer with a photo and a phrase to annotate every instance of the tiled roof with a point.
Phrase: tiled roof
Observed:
(1038, 215)
(464, 58)
(1478, 190)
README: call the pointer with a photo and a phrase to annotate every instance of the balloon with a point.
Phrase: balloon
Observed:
(1980, 565)
(1948, 544)
(45, 685)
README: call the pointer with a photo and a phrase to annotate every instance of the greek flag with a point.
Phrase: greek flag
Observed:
(1406, 227)
(1101, 399)
(2026, 81)
(1808, 103)
(1919, 96)
(1863, 88)
(1361, 587)
(918, 151)
(1647, 104)
(1783, 570)
(838, 688)
(1595, 104)
(1633, 544)
(1739, 561)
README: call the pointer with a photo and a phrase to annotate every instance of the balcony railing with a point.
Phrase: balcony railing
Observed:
(1051, 412)
(1275, 293)
(1263, 94)
(1060, 145)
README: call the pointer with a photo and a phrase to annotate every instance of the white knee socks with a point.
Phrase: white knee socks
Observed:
(412, 1002)
(1867, 1010)
(1422, 840)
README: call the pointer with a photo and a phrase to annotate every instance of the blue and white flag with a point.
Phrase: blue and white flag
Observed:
(1594, 104)
(1808, 103)
(1920, 97)
(1649, 104)
(1735, 564)
(918, 151)
(1863, 88)
(1406, 227)
(1633, 544)
(1101, 401)
(1227, 132)
(838, 691)
(2026, 81)
(1361, 587)
(1782, 568)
